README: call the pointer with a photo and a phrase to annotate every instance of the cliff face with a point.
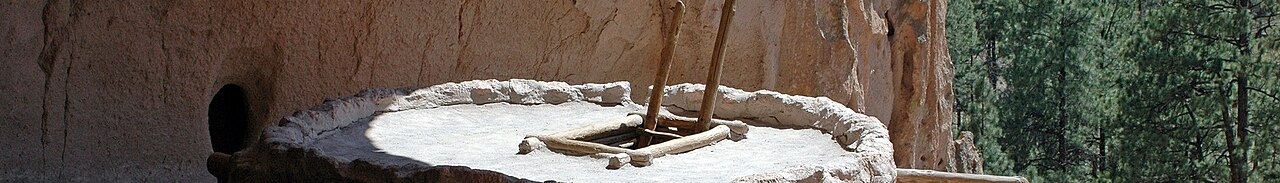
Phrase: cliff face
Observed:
(121, 91)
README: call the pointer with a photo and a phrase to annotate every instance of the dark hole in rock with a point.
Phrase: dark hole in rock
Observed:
(228, 123)
(228, 119)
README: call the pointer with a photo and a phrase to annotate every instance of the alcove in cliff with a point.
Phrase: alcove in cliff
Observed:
(228, 119)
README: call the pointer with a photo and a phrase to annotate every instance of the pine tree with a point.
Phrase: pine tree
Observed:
(1145, 91)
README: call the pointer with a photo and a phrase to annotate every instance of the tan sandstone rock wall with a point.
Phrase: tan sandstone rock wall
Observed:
(101, 90)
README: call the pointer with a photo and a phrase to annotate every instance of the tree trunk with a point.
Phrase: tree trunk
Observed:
(1062, 154)
(1240, 173)
(1240, 168)
(1227, 127)
(1100, 163)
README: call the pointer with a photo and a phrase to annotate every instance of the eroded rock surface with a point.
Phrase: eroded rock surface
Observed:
(968, 157)
(92, 82)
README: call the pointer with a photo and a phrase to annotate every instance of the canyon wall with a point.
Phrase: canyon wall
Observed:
(101, 91)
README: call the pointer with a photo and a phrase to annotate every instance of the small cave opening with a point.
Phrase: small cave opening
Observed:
(888, 23)
(228, 119)
(228, 123)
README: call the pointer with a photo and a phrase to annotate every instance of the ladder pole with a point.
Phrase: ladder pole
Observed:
(710, 94)
(660, 80)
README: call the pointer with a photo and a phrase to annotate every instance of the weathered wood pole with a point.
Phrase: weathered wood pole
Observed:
(710, 94)
(660, 80)
(914, 175)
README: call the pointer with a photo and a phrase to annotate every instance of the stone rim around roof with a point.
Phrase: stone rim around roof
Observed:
(869, 157)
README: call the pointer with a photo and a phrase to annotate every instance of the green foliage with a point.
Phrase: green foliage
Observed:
(1126, 91)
